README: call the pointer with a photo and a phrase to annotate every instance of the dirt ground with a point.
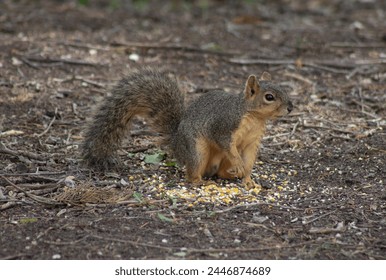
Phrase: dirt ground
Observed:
(322, 167)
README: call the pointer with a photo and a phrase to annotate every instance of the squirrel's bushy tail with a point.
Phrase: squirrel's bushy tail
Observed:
(144, 92)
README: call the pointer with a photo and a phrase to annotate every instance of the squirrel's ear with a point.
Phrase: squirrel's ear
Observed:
(265, 77)
(251, 87)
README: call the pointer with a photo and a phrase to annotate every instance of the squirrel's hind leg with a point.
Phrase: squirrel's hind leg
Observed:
(196, 164)
(216, 156)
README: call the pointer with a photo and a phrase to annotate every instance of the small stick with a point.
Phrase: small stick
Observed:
(294, 128)
(275, 136)
(84, 46)
(61, 60)
(260, 225)
(375, 117)
(234, 250)
(49, 125)
(15, 256)
(34, 197)
(7, 205)
(172, 47)
(29, 63)
(32, 187)
(319, 217)
(299, 77)
(356, 45)
(5, 150)
(326, 64)
(134, 243)
(328, 128)
(31, 174)
(65, 242)
(255, 204)
(99, 85)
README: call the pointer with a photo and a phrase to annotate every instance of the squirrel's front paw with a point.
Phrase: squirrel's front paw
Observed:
(250, 184)
(237, 171)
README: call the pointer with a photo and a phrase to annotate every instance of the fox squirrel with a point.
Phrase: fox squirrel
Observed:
(217, 134)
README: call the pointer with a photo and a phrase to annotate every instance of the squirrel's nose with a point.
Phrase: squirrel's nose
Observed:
(290, 107)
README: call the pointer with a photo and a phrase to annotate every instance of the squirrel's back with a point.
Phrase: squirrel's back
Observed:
(143, 92)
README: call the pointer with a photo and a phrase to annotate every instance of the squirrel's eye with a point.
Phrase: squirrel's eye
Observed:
(269, 97)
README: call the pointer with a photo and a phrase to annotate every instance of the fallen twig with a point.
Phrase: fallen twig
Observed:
(65, 242)
(209, 250)
(246, 61)
(299, 77)
(134, 243)
(254, 249)
(90, 82)
(84, 46)
(31, 174)
(15, 256)
(357, 45)
(319, 63)
(255, 204)
(34, 197)
(324, 230)
(317, 218)
(5, 150)
(260, 225)
(46, 190)
(328, 128)
(172, 47)
(37, 186)
(60, 60)
(361, 112)
(29, 63)
(49, 125)
(7, 205)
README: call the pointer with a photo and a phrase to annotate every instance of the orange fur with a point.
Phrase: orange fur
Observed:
(247, 140)
(238, 161)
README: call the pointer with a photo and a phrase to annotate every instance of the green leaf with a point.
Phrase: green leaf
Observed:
(115, 4)
(180, 254)
(212, 47)
(138, 197)
(141, 5)
(211, 214)
(154, 158)
(173, 201)
(28, 220)
(163, 218)
(83, 2)
(171, 163)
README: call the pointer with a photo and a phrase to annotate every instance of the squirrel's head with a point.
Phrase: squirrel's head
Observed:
(266, 99)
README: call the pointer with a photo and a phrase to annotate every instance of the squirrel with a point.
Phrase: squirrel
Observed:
(219, 133)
